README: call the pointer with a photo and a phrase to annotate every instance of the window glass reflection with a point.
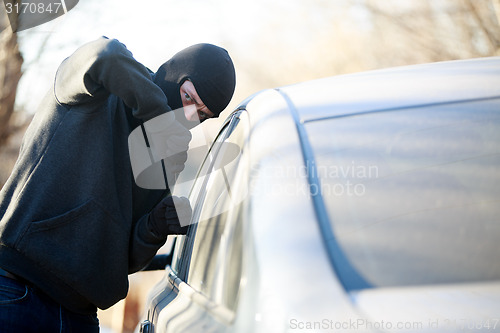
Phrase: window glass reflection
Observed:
(413, 195)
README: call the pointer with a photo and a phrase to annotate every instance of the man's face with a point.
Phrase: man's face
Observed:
(194, 108)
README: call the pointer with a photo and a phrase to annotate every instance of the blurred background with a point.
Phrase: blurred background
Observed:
(272, 43)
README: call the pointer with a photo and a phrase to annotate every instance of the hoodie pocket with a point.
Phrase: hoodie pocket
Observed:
(85, 248)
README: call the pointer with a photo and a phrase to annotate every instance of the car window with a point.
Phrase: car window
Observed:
(412, 195)
(182, 250)
(212, 253)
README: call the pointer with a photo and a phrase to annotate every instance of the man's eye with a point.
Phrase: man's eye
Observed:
(187, 97)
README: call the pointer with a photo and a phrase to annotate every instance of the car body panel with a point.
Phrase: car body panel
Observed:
(278, 173)
(439, 308)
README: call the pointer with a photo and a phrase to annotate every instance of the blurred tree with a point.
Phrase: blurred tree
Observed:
(320, 38)
(10, 73)
(486, 16)
(434, 30)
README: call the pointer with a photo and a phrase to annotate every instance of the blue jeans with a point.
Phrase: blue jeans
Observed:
(25, 309)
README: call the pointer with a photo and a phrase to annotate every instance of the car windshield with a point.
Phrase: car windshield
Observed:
(413, 196)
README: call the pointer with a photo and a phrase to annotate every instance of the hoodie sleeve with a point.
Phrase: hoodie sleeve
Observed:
(106, 66)
(144, 245)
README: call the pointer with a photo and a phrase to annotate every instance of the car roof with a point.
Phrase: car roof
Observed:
(395, 88)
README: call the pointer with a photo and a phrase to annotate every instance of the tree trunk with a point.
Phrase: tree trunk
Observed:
(10, 73)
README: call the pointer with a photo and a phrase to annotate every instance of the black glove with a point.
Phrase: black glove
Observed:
(166, 217)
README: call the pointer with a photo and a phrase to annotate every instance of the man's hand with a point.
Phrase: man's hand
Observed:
(171, 216)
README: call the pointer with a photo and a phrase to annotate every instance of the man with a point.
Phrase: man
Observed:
(73, 223)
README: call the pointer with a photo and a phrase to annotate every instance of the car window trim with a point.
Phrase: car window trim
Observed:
(335, 253)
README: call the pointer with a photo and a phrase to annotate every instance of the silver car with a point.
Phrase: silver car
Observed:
(365, 202)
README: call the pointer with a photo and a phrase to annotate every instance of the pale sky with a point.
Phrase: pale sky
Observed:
(153, 30)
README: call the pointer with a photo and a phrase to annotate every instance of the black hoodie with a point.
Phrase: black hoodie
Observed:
(72, 220)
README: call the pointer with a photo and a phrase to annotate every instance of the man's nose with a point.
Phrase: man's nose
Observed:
(191, 112)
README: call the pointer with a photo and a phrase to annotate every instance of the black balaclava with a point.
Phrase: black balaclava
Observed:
(208, 67)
